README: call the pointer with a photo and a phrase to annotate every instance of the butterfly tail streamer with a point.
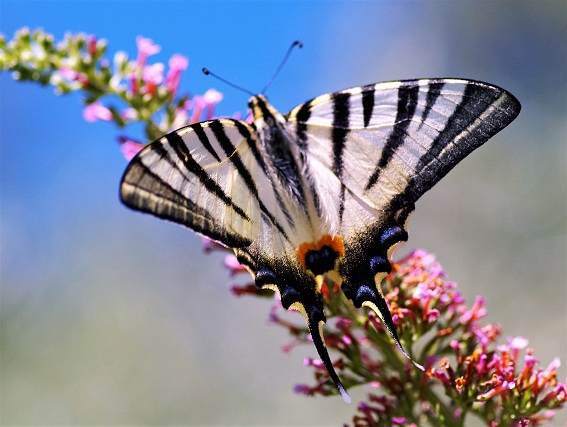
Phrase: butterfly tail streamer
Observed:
(315, 322)
(368, 297)
(378, 304)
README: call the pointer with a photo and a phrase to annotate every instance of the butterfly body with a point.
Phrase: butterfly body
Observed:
(326, 189)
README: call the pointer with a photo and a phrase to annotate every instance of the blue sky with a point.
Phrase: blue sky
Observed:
(103, 308)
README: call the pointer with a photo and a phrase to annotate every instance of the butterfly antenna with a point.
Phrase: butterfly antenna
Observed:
(209, 73)
(284, 60)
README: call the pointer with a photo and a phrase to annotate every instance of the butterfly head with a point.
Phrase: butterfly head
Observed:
(263, 111)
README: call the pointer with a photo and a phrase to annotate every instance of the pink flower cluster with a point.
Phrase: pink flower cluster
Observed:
(457, 348)
(148, 81)
(145, 79)
(150, 94)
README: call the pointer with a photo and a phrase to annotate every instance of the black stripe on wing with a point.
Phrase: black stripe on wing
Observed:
(178, 145)
(251, 142)
(433, 93)
(483, 111)
(230, 150)
(145, 191)
(368, 93)
(204, 139)
(341, 123)
(302, 116)
(245, 133)
(407, 103)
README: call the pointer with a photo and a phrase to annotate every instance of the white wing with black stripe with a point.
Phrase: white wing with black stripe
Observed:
(325, 190)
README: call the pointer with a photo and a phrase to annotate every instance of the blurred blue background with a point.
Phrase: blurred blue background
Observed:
(113, 317)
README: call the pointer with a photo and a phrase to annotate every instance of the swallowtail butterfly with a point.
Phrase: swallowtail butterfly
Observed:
(325, 190)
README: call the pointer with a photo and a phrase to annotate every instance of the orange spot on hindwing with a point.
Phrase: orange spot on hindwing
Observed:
(320, 257)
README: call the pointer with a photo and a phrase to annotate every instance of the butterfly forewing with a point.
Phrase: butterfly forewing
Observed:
(401, 137)
(192, 177)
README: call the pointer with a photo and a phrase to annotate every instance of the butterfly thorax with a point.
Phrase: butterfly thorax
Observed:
(316, 247)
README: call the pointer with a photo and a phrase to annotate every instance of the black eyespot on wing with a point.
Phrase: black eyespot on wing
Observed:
(265, 276)
(393, 235)
(379, 264)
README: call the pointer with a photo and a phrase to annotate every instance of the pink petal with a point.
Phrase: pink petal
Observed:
(146, 46)
(212, 97)
(96, 111)
(91, 45)
(153, 73)
(517, 343)
(178, 63)
(129, 147)
(68, 74)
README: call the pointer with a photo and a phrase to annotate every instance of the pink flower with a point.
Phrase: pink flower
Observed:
(559, 393)
(129, 147)
(129, 114)
(250, 289)
(210, 245)
(481, 363)
(177, 64)
(306, 390)
(72, 75)
(212, 97)
(432, 315)
(180, 117)
(91, 45)
(516, 344)
(233, 266)
(199, 105)
(152, 76)
(96, 111)
(529, 362)
(502, 387)
(134, 84)
(68, 73)
(343, 324)
(454, 344)
(478, 311)
(153, 73)
(487, 334)
(552, 368)
(146, 47)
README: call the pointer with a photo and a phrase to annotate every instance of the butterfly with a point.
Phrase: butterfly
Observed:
(322, 191)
